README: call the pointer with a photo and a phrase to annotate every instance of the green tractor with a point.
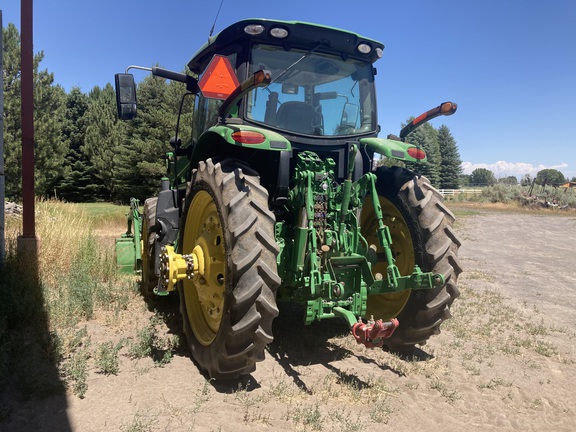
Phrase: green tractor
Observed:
(275, 199)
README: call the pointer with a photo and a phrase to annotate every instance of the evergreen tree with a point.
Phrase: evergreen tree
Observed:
(464, 180)
(79, 184)
(49, 112)
(104, 140)
(450, 163)
(50, 146)
(12, 117)
(426, 137)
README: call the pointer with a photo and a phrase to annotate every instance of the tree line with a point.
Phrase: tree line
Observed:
(485, 177)
(84, 153)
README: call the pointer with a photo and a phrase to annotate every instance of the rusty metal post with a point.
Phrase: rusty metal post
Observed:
(27, 243)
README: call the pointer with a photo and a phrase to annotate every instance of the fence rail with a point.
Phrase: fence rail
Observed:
(451, 192)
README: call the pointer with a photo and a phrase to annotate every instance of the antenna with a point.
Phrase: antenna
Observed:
(217, 13)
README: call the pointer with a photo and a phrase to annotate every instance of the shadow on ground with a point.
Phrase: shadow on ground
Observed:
(32, 393)
(295, 344)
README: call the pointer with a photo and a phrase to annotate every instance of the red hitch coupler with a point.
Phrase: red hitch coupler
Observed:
(372, 333)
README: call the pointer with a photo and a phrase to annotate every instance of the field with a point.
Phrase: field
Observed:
(505, 361)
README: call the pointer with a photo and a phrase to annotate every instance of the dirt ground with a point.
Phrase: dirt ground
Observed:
(505, 361)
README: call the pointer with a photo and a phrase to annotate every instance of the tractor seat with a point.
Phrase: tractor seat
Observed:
(296, 117)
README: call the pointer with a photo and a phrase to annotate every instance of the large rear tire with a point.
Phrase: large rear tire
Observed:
(422, 234)
(230, 303)
(149, 279)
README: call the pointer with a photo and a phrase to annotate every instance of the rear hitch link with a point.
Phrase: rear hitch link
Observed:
(373, 332)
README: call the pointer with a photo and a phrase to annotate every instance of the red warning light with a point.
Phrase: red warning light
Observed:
(416, 153)
(219, 79)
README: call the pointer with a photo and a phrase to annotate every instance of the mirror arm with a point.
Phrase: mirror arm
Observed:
(191, 82)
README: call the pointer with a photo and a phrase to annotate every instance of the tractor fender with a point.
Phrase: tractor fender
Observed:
(392, 149)
(223, 134)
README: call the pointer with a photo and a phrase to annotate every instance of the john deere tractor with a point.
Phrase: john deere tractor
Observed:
(275, 199)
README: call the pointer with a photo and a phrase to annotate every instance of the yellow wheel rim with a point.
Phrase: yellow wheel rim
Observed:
(389, 305)
(204, 293)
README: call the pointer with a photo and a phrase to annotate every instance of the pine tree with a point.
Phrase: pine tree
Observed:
(79, 184)
(50, 146)
(12, 119)
(105, 138)
(49, 112)
(48, 115)
(450, 164)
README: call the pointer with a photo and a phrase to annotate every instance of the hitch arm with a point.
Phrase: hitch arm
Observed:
(447, 108)
(371, 333)
(260, 78)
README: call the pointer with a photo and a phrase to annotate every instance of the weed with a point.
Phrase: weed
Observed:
(308, 416)
(107, 358)
(536, 329)
(251, 417)
(142, 346)
(76, 370)
(449, 395)
(471, 368)
(495, 382)
(545, 349)
(346, 421)
(412, 385)
(381, 411)
(140, 423)
(202, 396)
(149, 344)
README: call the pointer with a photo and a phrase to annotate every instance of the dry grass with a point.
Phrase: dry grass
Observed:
(46, 300)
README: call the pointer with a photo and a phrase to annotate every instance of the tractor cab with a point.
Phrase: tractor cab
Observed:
(320, 95)
(312, 93)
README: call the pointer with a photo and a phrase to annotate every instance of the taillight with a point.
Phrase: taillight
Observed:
(417, 153)
(248, 137)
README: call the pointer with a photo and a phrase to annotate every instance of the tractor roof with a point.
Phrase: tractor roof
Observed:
(300, 35)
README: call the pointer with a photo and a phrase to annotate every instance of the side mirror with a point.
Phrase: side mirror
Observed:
(350, 115)
(125, 96)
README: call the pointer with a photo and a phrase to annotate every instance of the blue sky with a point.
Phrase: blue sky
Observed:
(509, 64)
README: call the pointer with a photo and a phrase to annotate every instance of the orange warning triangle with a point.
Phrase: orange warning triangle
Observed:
(219, 79)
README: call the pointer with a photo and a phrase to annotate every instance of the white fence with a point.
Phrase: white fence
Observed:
(452, 192)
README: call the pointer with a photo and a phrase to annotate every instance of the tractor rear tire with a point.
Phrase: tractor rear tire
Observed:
(230, 303)
(435, 247)
(149, 279)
